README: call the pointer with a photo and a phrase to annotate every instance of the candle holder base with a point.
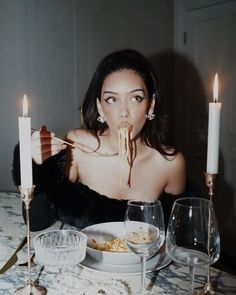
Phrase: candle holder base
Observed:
(209, 290)
(210, 181)
(31, 289)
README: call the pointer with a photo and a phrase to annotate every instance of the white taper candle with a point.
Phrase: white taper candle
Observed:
(25, 147)
(213, 132)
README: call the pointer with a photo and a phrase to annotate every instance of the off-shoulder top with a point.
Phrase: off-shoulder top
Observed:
(56, 198)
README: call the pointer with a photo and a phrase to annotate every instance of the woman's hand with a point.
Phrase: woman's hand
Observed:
(44, 146)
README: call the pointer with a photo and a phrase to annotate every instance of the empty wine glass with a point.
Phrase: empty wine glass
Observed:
(192, 235)
(144, 232)
(60, 248)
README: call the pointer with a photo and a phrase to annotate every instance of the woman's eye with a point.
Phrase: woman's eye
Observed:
(137, 98)
(110, 100)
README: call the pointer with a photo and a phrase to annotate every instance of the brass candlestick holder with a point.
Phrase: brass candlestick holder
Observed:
(210, 181)
(30, 288)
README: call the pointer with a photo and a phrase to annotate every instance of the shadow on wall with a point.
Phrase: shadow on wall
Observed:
(163, 64)
(185, 100)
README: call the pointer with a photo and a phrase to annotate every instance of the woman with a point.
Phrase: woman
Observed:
(122, 152)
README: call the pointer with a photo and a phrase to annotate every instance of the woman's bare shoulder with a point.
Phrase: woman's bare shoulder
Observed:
(176, 171)
(78, 133)
(82, 136)
(170, 164)
(177, 159)
(174, 162)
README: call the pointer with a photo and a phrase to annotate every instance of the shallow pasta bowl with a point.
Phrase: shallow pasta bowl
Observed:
(105, 232)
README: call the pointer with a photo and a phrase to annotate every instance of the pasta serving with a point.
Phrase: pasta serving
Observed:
(124, 153)
(115, 245)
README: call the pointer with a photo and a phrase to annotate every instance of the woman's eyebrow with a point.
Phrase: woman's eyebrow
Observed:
(113, 92)
(139, 89)
(109, 92)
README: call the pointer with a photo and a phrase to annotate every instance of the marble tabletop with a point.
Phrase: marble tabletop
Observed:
(79, 280)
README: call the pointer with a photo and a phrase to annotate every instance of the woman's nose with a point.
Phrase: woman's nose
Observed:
(124, 115)
(124, 112)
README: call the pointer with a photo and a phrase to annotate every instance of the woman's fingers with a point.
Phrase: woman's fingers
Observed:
(44, 146)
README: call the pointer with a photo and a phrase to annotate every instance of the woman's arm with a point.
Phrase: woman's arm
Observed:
(167, 200)
(56, 197)
(71, 168)
(46, 178)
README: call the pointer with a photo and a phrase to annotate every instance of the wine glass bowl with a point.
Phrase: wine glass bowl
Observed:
(60, 247)
(141, 237)
(192, 237)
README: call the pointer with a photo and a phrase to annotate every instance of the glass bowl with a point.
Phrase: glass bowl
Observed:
(60, 247)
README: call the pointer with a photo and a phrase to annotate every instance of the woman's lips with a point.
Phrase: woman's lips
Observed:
(125, 124)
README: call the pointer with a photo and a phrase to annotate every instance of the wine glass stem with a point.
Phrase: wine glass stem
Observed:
(143, 272)
(61, 281)
(191, 278)
(208, 275)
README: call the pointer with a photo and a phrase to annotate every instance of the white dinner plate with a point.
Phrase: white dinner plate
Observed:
(157, 262)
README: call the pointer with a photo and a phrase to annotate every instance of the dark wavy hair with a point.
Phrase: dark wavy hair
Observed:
(155, 133)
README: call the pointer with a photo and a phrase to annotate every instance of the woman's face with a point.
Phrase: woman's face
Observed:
(124, 101)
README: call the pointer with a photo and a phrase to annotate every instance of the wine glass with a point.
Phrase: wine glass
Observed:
(144, 232)
(192, 237)
(60, 248)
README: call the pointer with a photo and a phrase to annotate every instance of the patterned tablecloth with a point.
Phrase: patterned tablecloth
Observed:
(80, 280)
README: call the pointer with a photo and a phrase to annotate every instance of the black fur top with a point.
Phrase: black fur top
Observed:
(55, 197)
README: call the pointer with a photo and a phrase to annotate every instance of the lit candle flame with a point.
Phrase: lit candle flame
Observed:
(215, 88)
(25, 106)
